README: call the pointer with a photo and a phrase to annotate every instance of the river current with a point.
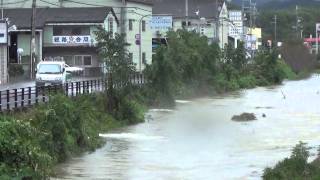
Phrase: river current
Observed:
(198, 140)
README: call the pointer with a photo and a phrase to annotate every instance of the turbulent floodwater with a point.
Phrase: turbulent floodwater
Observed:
(197, 140)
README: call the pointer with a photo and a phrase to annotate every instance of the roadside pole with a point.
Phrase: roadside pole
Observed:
(33, 40)
(317, 43)
(317, 37)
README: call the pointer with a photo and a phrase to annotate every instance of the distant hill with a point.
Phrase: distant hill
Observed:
(281, 4)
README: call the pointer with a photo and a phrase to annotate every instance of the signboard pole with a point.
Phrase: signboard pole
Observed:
(3, 52)
(317, 43)
(317, 37)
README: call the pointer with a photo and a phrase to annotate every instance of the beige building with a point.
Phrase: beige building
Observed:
(253, 38)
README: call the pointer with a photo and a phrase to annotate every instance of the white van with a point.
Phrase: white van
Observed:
(51, 72)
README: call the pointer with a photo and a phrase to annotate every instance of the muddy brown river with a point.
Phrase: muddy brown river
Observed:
(198, 140)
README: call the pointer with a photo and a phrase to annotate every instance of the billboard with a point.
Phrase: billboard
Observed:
(3, 32)
(161, 23)
(251, 41)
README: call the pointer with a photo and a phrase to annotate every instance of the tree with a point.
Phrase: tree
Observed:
(113, 52)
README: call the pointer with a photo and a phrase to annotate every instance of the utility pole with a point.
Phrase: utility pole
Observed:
(1, 9)
(122, 17)
(317, 37)
(187, 13)
(298, 26)
(33, 40)
(275, 28)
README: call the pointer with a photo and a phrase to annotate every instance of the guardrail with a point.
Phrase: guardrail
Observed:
(12, 99)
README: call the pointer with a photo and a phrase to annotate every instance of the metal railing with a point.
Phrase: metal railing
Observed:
(13, 99)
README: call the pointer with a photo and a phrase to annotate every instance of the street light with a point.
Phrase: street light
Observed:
(140, 41)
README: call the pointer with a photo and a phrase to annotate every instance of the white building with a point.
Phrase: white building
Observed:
(134, 16)
(207, 17)
(236, 25)
(223, 25)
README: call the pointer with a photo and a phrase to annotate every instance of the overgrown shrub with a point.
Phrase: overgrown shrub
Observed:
(295, 167)
(15, 70)
(21, 155)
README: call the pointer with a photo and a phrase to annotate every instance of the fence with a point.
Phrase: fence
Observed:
(12, 99)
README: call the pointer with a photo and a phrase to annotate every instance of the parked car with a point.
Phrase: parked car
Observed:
(51, 72)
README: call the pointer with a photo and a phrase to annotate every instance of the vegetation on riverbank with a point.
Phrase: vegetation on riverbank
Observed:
(189, 66)
(296, 166)
(33, 141)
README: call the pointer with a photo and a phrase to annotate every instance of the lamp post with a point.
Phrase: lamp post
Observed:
(140, 40)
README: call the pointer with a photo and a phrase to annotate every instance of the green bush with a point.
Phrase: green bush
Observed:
(248, 81)
(295, 167)
(71, 125)
(21, 155)
(15, 70)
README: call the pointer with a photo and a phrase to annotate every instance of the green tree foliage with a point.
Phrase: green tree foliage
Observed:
(295, 167)
(112, 50)
(53, 132)
(286, 22)
(188, 65)
(20, 153)
(120, 68)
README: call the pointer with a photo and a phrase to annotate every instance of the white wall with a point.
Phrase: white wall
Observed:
(205, 28)
(145, 13)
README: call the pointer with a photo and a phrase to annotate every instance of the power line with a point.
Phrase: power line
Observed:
(15, 2)
(50, 3)
(99, 5)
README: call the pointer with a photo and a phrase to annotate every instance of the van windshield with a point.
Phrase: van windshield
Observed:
(49, 69)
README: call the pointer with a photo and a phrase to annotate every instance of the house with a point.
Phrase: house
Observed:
(61, 34)
(133, 16)
(207, 17)
(236, 27)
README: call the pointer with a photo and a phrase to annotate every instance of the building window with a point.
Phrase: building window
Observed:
(110, 20)
(143, 26)
(78, 60)
(57, 31)
(87, 60)
(82, 60)
(69, 60)
(76, 31)
(144, 61)
(131, 57)
(130, 24)
(71, 30)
